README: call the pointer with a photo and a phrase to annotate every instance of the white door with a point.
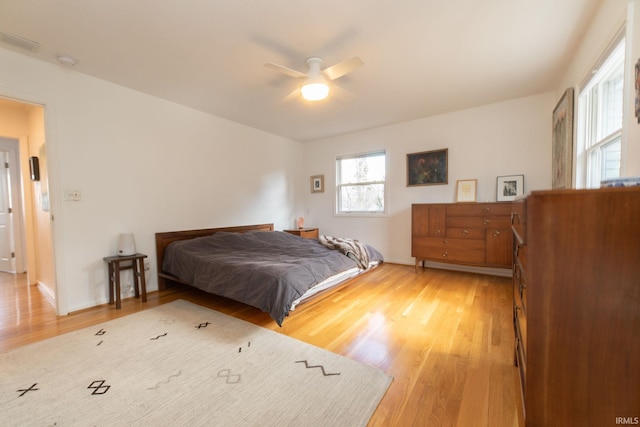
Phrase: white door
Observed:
(7, 254)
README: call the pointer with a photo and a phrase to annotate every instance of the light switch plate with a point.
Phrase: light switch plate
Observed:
(73, 195)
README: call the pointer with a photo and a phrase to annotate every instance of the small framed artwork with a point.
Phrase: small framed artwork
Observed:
(466, 190)
(427, 168)
(509, 187)
(317, 184)
(562, 142)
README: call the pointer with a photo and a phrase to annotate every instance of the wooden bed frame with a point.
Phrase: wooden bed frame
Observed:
(165, 238)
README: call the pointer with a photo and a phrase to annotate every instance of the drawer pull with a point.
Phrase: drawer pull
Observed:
(486, 209)
(485, 221)
(496, 233)
(465, 232)
(445, 242)
(444, 254)
(437, 231)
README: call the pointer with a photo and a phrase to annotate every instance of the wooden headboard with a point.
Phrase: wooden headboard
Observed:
(164, 239)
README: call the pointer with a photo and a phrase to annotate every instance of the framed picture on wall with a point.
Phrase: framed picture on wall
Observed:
(427, 168)
(509, 187)
(562, 142)
(317, 184)
(466, 190)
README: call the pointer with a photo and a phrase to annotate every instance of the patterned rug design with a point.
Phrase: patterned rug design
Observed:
(183, 364)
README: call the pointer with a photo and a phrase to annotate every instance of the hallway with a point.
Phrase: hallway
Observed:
(20, 305)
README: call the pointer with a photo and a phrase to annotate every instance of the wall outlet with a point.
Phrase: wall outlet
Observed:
(147, 266)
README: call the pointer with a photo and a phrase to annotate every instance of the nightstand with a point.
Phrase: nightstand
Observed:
(133, 262)
(309, 233)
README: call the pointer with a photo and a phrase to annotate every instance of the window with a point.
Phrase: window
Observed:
(600, 104)
(361, 183)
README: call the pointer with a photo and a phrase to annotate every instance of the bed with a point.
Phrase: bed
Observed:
(271, 270)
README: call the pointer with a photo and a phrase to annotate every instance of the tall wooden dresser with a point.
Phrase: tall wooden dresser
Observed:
(475, 234)
(576, 306)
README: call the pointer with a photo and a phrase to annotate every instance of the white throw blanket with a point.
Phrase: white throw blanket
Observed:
(350, 247)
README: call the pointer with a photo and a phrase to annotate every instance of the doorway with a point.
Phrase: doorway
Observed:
(25, 220)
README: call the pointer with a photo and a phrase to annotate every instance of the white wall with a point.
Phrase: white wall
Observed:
(143, 165)
(610, 18)
(632, 124)
(506, 138)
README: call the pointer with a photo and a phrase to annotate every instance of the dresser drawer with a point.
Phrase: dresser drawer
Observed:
(309, 233)
(522, 367)
(499, 246)
(457, 250)
(521, 331)
(521, 258)
(479, 209)
(520, 315)
(453, 250)
(518, 294)
(478, 222)
(453, 254)
(466, 233)
(440, 243)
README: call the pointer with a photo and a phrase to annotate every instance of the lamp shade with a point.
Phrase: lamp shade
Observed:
(126, 244)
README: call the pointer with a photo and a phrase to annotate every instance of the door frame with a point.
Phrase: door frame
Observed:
(48, 104)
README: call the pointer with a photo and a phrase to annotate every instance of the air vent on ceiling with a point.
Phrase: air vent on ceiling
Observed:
(20, 42)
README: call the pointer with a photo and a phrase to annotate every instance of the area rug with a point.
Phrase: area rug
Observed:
(181, 364)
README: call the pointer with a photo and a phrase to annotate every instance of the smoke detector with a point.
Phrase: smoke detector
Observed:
(66, 60)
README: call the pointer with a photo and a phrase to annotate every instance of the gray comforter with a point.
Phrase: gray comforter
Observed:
(267, 270)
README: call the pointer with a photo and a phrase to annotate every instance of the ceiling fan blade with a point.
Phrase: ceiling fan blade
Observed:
(340, 69)
(288, 71)
(340, 93)
(294, 94)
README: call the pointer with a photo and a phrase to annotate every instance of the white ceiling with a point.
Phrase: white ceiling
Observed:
(422, 57)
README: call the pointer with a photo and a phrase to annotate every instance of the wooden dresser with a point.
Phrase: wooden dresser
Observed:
(576, 306)
(475, 234)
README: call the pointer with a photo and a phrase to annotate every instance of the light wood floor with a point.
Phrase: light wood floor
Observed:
(445, 337)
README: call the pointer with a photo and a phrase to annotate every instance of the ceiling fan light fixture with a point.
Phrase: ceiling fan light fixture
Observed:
(315, 88)
(315, 83)
(315, 91)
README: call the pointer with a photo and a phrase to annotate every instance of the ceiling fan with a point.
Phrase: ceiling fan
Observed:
(315, 86)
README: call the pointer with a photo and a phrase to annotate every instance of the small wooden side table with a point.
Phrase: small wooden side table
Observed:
(309, 233)
(137, 265)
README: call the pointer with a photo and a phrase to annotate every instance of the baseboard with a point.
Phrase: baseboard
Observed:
(502, 272)
(47, 292)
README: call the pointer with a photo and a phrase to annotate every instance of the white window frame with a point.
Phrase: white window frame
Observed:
(590, 146)
(339, 184)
